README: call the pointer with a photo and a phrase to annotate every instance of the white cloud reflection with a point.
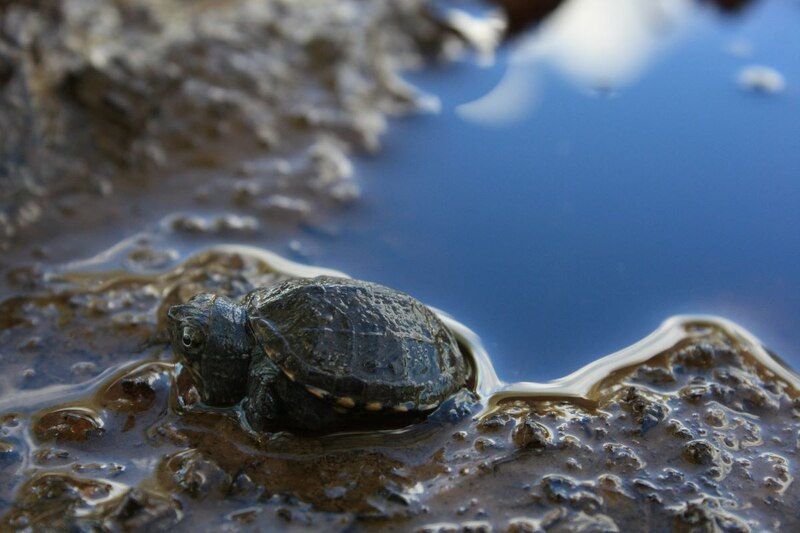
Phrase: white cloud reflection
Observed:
(601, 44)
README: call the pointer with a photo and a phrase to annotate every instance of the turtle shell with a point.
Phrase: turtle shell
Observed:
(358, 344)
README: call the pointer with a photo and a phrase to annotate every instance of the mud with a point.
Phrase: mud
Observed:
(694, 428)
(101, 100)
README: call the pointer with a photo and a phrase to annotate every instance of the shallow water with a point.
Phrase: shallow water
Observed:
(576, 226)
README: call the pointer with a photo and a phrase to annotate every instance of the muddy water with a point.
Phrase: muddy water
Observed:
(695, 426)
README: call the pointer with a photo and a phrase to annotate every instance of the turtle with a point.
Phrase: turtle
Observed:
(318, 354)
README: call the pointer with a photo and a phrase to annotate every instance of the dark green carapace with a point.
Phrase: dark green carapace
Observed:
(318, 354)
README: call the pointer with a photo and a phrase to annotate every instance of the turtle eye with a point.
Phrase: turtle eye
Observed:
(192, 338)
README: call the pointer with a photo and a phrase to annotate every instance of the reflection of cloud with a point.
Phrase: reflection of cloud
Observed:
(515, 93)
(758, 78)
(604, 42)
(600, 43)
(740, 48)
(483, 33)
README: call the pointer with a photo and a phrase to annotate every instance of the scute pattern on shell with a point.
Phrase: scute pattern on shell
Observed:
(357, 340)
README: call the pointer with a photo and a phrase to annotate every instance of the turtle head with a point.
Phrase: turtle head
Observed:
(210, 336)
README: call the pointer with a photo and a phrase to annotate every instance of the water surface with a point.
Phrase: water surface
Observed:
(576, 227)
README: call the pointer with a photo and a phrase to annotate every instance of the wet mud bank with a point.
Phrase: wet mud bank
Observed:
(125, 106)
(696, 427)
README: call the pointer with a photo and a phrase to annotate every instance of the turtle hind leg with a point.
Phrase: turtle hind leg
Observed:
(261, 405)
(304, 412)
(458, 406)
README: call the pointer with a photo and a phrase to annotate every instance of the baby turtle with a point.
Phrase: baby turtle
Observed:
(318, 354)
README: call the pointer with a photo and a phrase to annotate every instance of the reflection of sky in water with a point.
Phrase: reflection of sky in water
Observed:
(574, 229)
(602, 44)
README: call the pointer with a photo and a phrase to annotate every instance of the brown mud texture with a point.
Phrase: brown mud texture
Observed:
(99, 430)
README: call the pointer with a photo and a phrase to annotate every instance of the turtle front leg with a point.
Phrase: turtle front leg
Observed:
(261, 405)
(275, 402)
